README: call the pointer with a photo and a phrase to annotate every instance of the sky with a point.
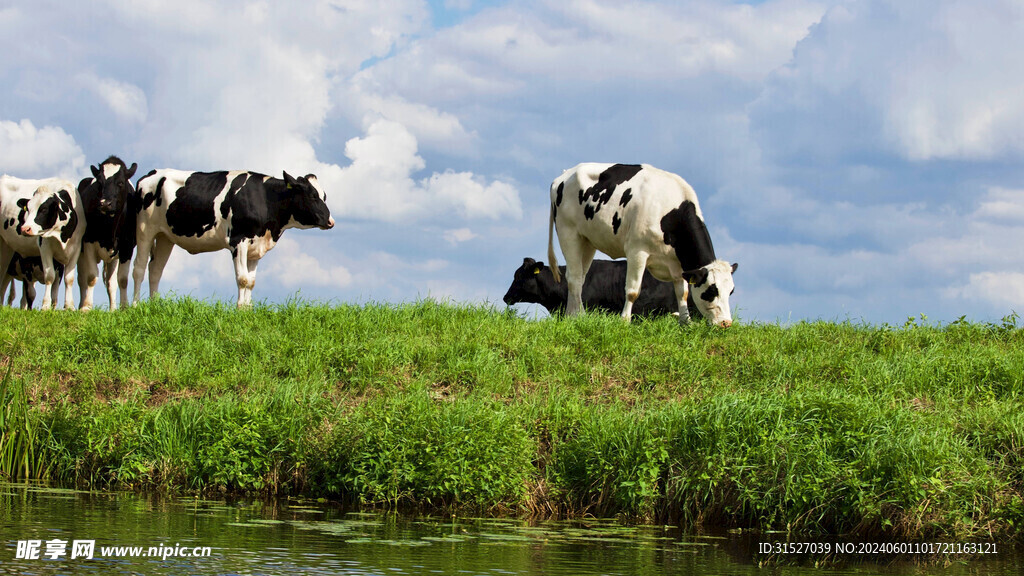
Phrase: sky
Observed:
(860, 160)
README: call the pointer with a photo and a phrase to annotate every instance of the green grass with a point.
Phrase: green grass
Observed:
(907, 432)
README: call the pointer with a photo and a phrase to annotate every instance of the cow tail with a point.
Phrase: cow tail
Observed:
(552, 260)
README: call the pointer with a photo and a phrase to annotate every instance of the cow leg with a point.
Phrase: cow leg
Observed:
(12, 295)
(579, 254)
(28, 294)
(240, 255)
(252, 264)
(69, 280)
(110, 280)
(6, 255)
(636, 263)
(145, 246)
(162, 247)
(123, 270)
(682, 293)
(49, 276)
(87, 274)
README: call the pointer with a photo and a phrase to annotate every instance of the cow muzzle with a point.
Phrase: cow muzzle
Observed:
(724, 323)
(330, 223)
(26, 230)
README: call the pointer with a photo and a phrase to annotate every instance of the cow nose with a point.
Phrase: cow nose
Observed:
(26, 230)
(725, 323)
(330, 222)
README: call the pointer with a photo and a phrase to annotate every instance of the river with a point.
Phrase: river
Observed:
(58, 531)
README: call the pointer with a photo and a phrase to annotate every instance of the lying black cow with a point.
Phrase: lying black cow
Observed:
(603, 290)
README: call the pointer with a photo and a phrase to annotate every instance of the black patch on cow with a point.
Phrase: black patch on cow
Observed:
(192, 211)
(710, 294)
(152, 197)
(616, 221)
(626, 197)
(67, 208)
(686, 233)
(589, 211)
(236, 185)
(49, 210)
(601, 193)
(558, 193)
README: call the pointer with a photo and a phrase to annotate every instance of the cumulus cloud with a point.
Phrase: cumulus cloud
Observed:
(127, 101)
(379, 183)
(30, 152)
(920, 80)
(292, 267)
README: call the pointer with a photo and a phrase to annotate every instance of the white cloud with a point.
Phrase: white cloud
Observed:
(290, 266)
(997, 288)
(922, 80)
(30, 152)
(379, 183)
(125, 100)
(459, 235)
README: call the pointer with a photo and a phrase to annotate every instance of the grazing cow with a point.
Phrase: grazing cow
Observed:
(603, 290)
(244, 212)
(650, 217)
(29, 269)
(109, 231)
(41, 218)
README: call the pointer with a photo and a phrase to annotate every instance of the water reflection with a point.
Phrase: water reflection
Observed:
(295, 537)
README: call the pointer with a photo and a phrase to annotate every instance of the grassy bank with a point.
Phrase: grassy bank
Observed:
(907, 432)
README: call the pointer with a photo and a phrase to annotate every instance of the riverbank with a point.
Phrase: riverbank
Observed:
(903, 433)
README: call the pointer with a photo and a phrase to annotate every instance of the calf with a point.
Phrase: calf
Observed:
(109, 232)
(650, 217)
(41, 218)
(29, 269)
(603, 290)
(243, 212)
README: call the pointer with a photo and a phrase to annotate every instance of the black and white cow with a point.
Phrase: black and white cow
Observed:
(650, 217)
(603, 290)
(41, 218)
(243, 212)
(109, 232)
(29, 269)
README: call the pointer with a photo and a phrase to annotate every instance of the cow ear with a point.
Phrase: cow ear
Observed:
(22, 202)
(735, 265)
(696, 277)
(288, 180)
(529, 261)
(131, 171)
(95, 172)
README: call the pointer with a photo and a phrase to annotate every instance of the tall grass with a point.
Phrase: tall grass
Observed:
(20, 453)
(905, 432)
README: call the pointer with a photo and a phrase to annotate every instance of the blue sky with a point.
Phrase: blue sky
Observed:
(859, 159)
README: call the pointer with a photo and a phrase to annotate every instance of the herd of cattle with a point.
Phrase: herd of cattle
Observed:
(52, 228)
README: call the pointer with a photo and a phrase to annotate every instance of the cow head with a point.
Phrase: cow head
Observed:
(114, 179)
(49, 212)
(308, 202)
(710, 288)
(533, 283)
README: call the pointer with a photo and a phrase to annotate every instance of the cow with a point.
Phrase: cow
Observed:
(29, 269)
(109, 232)
(41, 218)
(244, 212)
(650, 217)
(603, 290)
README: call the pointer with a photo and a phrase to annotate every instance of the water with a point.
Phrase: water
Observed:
(296, 537)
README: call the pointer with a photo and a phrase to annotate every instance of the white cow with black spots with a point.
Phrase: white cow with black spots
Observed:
(41, 218)
(650, 217)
